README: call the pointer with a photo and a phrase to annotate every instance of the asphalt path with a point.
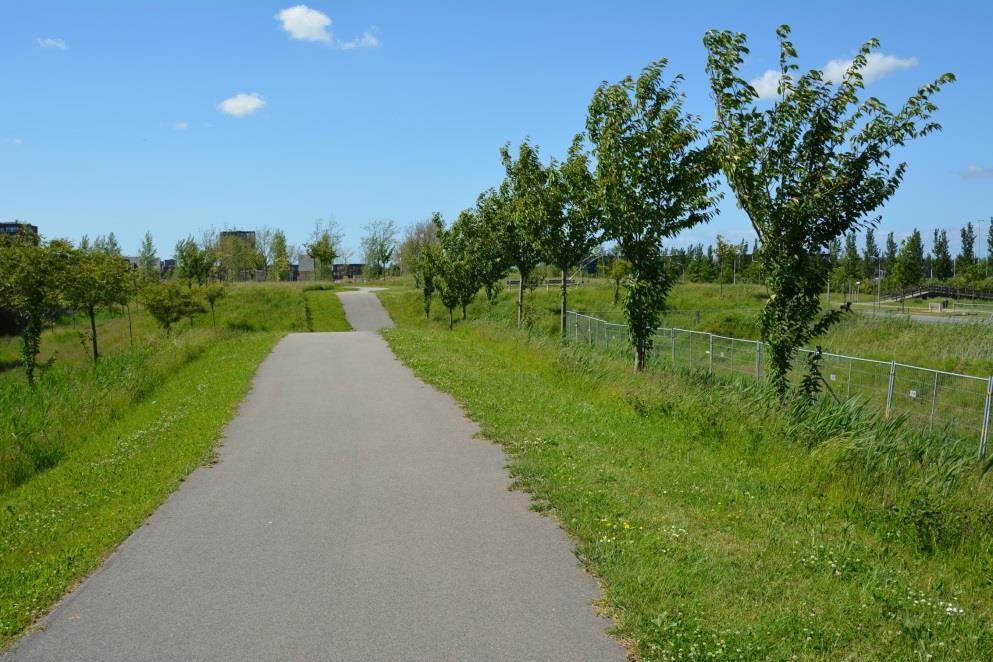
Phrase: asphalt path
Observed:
(353, 515)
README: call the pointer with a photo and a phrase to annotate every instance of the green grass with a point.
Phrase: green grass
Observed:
(92, 451)
(324, 311)
(719, 524)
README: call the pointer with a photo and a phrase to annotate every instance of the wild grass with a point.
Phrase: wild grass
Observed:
(720, 523)
(324, 310)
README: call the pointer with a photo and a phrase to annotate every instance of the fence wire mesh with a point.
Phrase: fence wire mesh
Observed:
(934, 399)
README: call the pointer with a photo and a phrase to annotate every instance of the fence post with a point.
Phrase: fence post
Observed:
(984, 438)
(576, 317)
(889, 389)
(672, 332)
(934, 399)
(849, 388)
(758, 360)
(710, 365)
(589, 329)
(606, 336)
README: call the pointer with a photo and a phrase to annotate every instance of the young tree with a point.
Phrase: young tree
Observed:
(522, 199)
(193, 263)
(148, 271)
(279, 269)
(620, 269)
(889, 259)
(378, 246)
(108, 245)
(851, 262)
(909, 268)
(870, 256)
(453, 271)
(655, 178)
(490, 262)
(32, 276)
(572, 218)
(413, 249)
(812, 167)
(942, 260)
(97, 280)
(726, 254)
(967, 256)
(168, 303)
(324, 247)
(214, 292)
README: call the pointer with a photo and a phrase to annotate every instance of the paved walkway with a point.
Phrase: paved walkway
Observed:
(352, 516)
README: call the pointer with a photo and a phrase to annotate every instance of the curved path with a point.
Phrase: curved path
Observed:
(352, 516)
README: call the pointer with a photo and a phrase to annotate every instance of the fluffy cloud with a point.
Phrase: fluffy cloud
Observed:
(302, 22)
(51, 42)
(877, 66)
(366, 40)
(241, 105)
(977, 172)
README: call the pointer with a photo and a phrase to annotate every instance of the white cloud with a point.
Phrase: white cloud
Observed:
(302, 22)
(181, 126)
(877, 66)
(13, 141)
(241, 105)
(51, 42)
(367, 39)
(977, 172)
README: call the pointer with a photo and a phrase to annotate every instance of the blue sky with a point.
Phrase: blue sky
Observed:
(112, 114)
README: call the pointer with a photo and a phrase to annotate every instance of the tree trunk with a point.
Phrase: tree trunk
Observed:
(639, 356)
(565, 301)
(463, 312)
(520, 298)
(93, 331)
(213, 315)
(130, 323)
(451, 318)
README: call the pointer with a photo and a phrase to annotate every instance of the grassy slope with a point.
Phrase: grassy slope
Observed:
(325, 312)
(122, 436)
(713, 531)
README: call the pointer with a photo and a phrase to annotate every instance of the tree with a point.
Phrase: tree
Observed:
(726, 254)
(812, 167)
(168, 303)
(488, 257)
(32, 274)
(148, 271)
(324, 247)
(967, 257)
(97, 280)
(280, 257)
(620, 269)
(909, 268)
(193, 263)
(378, 246)
(572, 219)
(870, 255)
(453, 272)
(654, 178)
(851, 262)
(891, 248)
(522, 201)
(214, 292)
(413, 249)
(942, 257)
(106, 245)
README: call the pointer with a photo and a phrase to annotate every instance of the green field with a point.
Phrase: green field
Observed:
(92, 451)
(719, 523)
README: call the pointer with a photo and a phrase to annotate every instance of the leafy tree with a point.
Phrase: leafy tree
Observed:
(654, 179)
(891, 248)
(108, 245)
(378, 246)
(909, 268)
(942, 257)
(524, 199)
(168, 303)
(967, 256)
(454, 276)
(851, 262)
(490, 262)
(324, 247)
(32, 275)
(870, 255)
(148, 271)
(571, 227)
(812, 167)
(620, 269)
(193, 263)
(97, 280)
(280, 257)
(417, 240)
(726, 254)
(214, 292)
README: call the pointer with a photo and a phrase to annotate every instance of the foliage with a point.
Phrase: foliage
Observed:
(455, 275)
(168, 303)
(418, 240)
(193, 262)
(654, 179)
(97, 280)
(811, 168)
(32, 277)
(522, 201)
(279, 268)
(214, 292)
(941, 262)
(148, 270)
(620, 269)
(378, 246)
(324, 247)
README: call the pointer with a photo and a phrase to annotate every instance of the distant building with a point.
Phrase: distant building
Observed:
(167, 266)
(16, 229)
(135, 262)
(346, 271)
(246, 236)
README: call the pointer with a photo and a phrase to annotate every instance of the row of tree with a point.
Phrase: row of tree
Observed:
(808, 169)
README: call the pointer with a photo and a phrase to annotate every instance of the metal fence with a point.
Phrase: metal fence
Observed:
(934, 399)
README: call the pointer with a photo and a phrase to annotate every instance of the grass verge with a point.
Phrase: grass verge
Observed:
(324, 311)
(719, 525)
